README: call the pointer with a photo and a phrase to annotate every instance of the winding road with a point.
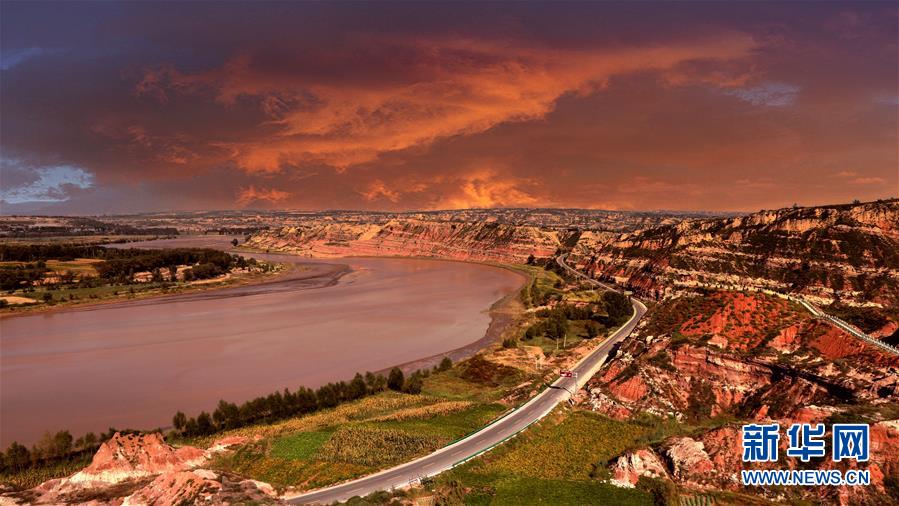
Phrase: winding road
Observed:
(491, 435)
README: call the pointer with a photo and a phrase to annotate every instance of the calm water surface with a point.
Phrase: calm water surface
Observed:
(135, 364)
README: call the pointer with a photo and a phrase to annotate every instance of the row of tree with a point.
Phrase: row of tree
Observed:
(286, 404)
(61, 446)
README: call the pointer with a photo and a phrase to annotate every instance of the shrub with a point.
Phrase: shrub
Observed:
(445, 365)
(395, 379)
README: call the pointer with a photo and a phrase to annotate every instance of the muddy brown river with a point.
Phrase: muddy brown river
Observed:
(134, 364)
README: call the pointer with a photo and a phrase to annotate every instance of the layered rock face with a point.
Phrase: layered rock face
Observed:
(748, 357)
(410, 237)
(144, 470)
(847, 253)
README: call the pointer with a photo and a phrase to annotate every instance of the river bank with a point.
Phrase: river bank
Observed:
(135, 363)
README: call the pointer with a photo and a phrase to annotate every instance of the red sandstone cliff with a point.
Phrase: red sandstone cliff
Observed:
(847, 253)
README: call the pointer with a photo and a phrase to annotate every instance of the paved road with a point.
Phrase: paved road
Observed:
(488, 437)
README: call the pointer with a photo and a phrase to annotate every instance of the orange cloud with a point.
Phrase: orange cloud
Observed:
(485, 188)
(442, 88)
(378, 190)
(251, 194)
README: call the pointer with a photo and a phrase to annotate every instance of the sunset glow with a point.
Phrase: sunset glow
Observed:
(126, 108)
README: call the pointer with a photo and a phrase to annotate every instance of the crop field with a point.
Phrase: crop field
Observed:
(374, 446)
(363, 436)
(560, 460)
(79, 266)
(568, 449)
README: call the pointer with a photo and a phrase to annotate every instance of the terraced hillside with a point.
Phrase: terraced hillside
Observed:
(846, 255)
(409, 237)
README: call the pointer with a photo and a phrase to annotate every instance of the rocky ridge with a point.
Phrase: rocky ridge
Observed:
(847, 254)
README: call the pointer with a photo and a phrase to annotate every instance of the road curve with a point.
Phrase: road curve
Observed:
(490, 436)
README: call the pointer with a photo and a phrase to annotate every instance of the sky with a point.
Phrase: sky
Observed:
(719, 106)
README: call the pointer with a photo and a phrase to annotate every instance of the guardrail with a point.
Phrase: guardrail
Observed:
(837, 322)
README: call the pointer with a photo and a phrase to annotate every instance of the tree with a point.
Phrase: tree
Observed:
(226, 415)
(618, 307)
(179, 421)
(86, 442)
(306, 400)
(327, 396)
(234, 242)
(531, 260)
(592, 330)
(395, 379)
(204, 424)
(414, 384)
(357, 388)
(190, 427)
(445, 365)
(376, 382)
(17, 457)
(62, 443)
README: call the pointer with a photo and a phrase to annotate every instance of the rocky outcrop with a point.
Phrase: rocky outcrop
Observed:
(847, 253)
(143, 470)
(130, 456)
(739, 354)
(747, 357)
(630, 467)
(412, 237)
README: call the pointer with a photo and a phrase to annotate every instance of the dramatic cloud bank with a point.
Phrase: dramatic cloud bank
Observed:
(403, 106)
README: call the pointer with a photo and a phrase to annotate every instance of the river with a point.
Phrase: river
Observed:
(134, 364)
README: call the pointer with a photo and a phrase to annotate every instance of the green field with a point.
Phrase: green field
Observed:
(374, 433)
(561, 460)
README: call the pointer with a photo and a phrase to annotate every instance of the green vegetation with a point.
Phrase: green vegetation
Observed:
(389, 427)
(561, 460)
(301, 445)
(279, 406)
(567, 324)
(373, 446)
(544, 285)
(64, 273)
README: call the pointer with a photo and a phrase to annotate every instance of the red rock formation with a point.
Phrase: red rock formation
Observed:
(628, 468)
(770, 361)
(144, 470)
(816, 251)
(135, 456)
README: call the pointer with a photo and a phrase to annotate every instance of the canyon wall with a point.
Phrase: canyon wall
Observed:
(846, 254)
(440, 239)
